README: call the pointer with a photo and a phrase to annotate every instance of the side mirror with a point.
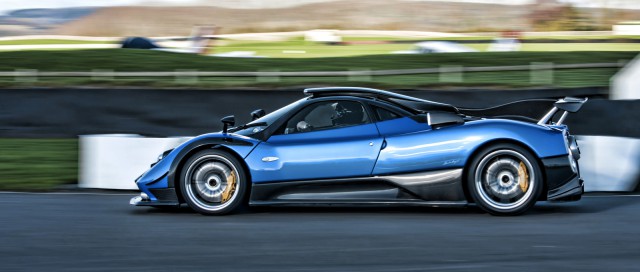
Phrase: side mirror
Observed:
(227, 121)
(257, 114)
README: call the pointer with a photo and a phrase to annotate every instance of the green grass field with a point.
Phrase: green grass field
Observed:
(38, 164)
(297, 48)
(145, 60)
(302, 49)
(503, 80)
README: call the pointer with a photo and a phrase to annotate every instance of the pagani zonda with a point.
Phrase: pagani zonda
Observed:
(345, 146)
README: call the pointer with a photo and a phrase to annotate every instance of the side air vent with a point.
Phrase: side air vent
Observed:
(441, 119)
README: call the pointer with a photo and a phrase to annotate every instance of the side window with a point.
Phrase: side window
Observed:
(327, 115)
(384, 115)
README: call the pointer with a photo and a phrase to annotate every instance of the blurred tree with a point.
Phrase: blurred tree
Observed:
(549, 15)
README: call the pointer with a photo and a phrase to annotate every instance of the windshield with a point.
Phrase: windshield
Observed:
(260, 124)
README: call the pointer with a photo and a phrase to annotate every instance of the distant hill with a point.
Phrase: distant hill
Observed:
(39, 21)
(345, 14)
(290, 15)
(340, 14)
(255, 4)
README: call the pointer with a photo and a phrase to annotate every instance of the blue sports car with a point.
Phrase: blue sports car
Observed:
(351, 146)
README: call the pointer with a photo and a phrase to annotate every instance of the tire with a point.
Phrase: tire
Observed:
(504, 179)
(213, 182)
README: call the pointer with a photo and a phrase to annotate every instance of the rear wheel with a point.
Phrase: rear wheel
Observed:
(504, 179)
(213, 182)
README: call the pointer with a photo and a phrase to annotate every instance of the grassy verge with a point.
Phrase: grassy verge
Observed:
(145, 60)
(37, 164)
(301, 49)
(516, 79)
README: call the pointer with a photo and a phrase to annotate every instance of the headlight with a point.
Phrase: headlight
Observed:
(164, 154)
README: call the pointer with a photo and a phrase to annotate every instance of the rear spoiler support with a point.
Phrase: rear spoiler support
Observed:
(567, 104)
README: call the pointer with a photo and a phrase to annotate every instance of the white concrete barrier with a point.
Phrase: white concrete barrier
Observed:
(625, 83)
(631, 28)
(114, 161)
(609, 164)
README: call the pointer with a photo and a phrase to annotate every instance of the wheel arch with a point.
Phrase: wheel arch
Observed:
(174, 173)
(492, 142)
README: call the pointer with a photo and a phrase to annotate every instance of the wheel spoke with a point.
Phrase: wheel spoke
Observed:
(212, 182)
(503, 179)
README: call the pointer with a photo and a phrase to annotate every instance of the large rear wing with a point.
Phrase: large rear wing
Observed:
(567, 105)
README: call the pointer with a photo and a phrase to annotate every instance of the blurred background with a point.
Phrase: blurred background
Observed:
(170, 69)
(173, 68)
(92, 91)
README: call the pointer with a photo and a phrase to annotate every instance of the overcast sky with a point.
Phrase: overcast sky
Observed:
(6, 5)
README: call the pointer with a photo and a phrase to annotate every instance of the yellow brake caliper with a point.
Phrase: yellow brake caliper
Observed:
(523, 177)
(231, 187)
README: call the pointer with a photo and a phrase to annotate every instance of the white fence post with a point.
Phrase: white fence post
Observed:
(359, 75)
(186, 76)
(269, 75)
(541, 73)
(101, 74)
(26, 75)
(451, 73)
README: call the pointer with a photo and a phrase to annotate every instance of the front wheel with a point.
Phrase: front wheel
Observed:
(504, 179)
(213, 182)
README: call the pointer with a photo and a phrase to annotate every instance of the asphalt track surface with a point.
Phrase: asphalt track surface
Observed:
(101, 232)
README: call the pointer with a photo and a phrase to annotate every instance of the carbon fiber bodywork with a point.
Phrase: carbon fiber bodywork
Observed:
(562, 182)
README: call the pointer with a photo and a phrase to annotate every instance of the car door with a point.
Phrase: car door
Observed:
(326, 139)
(411, 145)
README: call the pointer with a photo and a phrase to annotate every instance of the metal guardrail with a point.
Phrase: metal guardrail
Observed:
(272, 73)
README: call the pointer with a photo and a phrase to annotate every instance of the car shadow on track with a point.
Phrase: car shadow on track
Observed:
(593, 204)
(183, 209)
(368, 210)
(545, 208)
(589, 204)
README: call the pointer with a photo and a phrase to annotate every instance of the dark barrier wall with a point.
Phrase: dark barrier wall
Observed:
(72, 112)
(44, 113)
